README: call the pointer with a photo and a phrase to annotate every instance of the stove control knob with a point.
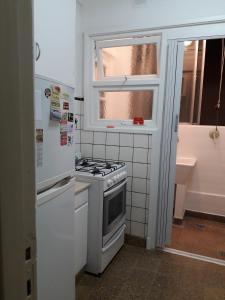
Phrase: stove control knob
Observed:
(109, 183)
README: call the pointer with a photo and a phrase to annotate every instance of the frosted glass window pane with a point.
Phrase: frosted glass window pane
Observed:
(125, 105)
(130, 60)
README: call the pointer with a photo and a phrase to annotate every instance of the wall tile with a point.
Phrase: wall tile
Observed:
(150, 141)
(112, 139)
(128, 198)
(140, 155)
(139, 185)
(86, 137)
(129, 183)
(138, 200)
(128, 212)
(129, 168)
(126, 153)
(149, 156)
(99, 151)
(138, 214)
(148, 201)
(126, 139)
(99, 138)
(148, 186)
(140, 170)
(141, 140)
(137, 229)
(149, 171)
(86, 150)
(112, 153)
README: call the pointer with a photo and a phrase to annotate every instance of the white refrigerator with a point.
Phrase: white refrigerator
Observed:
(55, 190)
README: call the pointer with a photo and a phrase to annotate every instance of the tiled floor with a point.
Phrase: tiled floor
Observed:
(138, 274)
(204, 237)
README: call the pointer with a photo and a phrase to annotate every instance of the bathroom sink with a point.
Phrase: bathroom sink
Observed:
(184, 166)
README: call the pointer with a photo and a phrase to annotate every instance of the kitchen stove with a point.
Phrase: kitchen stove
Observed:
(110, 171)
(106, 209)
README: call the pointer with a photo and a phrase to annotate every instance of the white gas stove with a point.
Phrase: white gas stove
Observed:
(110, 172)
(107, 209)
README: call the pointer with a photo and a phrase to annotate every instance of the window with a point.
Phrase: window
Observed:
(125, 105)
(125, 81)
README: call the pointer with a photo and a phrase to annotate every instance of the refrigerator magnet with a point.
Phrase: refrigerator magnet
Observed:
(70, 117)
(63, 138)
(70, 140)
(64, 117)
(66, 105)
(48, 92)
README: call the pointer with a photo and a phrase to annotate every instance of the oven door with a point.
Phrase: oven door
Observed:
(114, 209)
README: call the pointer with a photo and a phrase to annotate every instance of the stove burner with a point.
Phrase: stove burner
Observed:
(95, 171)
(84, 163)
(108, 165)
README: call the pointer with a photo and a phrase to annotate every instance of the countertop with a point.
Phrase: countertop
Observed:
(81, 186)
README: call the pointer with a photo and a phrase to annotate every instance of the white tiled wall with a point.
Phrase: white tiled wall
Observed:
(135, 151)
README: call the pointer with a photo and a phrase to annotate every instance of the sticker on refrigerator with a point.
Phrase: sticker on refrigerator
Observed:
(70, 117)
(66, 105)
(39, 147)
(63, 138)
(70, 140)
(55, 111)
(64, 117)
(48, 92)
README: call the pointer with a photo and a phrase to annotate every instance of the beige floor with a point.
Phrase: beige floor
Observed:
(204, 237)
(138, 274)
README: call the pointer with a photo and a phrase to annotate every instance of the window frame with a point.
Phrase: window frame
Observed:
(111, 43)
(133, 82)
(120, 123)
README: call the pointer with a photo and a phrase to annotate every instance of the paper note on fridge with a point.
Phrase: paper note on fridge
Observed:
(37, 105)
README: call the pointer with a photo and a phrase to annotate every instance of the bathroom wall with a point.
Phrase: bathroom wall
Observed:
(135, 150)
(206, 191)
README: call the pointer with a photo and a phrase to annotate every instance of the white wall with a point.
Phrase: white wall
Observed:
(206, 191)
(105, 15)
(79, 48)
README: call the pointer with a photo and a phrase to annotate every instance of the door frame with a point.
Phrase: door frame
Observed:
(17, 159)
(169, 137)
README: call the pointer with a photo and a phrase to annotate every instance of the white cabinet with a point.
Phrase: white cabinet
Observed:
(54, 31)
(80, 224)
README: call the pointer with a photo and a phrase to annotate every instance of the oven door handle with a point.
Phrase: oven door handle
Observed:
(115, 189)
(115, 239)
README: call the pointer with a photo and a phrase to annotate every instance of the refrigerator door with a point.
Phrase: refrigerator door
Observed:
(53, 161)
(55, 243)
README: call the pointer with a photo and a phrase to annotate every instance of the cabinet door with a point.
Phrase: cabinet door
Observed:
(80, 223)
(54, 31)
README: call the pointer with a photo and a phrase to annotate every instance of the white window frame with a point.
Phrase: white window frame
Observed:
(126, 42)
(121, 123)
(93, 46)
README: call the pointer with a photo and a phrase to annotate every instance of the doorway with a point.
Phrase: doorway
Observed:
(199, 197)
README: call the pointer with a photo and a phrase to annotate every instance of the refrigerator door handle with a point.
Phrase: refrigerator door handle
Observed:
(53, 192)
